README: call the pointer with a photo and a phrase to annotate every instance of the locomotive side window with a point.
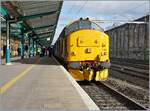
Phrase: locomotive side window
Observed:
(73, 27)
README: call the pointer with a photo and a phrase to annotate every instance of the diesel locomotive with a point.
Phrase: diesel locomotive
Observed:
(84, 48)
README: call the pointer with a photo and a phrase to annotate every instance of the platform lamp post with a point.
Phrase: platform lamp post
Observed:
(0, 52)
(36, 47)
(8, 43)
(29, 49)
(32, 47)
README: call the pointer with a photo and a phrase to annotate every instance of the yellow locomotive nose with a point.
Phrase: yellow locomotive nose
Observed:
(84, 47)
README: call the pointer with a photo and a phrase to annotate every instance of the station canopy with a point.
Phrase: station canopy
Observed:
(39, 17)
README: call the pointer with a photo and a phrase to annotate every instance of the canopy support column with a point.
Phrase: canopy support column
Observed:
(8, 44)
(22, 45)
(33, 47)
(29, 50)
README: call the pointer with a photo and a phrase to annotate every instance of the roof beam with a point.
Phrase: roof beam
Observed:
(36, 15)
(12, 9)
(43, 37)
(44, 33)
(42, 27)
(33, 6)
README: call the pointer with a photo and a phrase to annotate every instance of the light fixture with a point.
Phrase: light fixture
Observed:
(48, 39)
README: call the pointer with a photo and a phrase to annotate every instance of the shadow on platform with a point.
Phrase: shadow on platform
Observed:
(45, 60)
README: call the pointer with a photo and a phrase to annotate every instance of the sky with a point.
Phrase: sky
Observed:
(101, 10)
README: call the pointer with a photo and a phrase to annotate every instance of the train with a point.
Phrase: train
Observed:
(84, 49)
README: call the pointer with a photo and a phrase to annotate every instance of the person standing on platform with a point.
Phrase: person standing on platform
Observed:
(46, 50)
(4, 51)
(26, 51)
(19, 51)
(38, 51)
(43, 51)
(50, 51)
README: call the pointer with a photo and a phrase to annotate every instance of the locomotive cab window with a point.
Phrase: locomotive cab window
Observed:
(82, 24)
(94, 26)
(73, 27)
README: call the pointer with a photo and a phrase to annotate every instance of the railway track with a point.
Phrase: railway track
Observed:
(107, 98)
(140, 73)
(128, 73)
(135, 65)
(137, 93)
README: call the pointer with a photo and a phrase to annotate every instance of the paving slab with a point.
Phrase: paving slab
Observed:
(44, 85)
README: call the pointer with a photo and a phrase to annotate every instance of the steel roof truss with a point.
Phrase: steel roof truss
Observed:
(36, 15)
(42, 27)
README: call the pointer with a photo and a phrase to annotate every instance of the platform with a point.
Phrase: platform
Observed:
(40, 84)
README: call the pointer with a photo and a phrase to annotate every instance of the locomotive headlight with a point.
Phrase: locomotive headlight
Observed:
(96, 41)
(88, 50)
(103, 45)
(103, 53)
(73, 53)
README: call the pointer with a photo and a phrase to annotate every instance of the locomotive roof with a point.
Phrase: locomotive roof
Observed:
(81, 19)
(63, 33)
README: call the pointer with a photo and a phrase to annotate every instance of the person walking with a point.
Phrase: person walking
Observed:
(4, 51)
(19, 51)
(50, 51)
(26, 51)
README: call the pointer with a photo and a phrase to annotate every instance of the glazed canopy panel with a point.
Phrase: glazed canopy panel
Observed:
(41, 16)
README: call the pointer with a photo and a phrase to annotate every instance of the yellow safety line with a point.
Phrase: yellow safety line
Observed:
(14, 80)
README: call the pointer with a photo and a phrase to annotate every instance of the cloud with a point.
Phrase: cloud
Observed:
(101, 10)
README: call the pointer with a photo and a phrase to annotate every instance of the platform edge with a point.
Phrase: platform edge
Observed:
(85, 97)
